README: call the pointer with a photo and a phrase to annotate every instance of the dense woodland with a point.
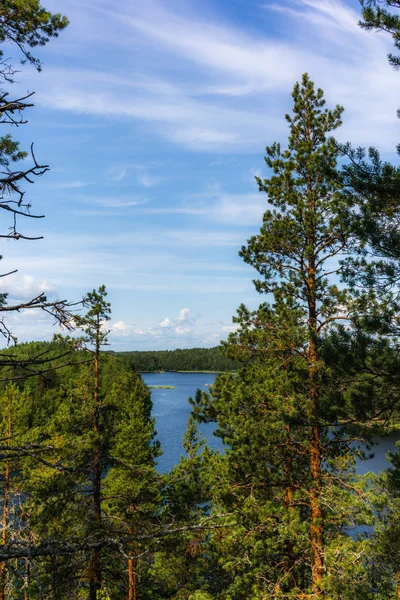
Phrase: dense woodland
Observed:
(281, 514)
(188, 359)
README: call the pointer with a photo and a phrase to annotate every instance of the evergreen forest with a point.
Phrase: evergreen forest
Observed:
(187, 359)
(306, 384)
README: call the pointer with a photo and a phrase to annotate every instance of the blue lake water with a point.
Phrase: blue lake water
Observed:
(171, 410)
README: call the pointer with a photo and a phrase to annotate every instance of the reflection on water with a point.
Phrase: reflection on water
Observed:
(171, 410)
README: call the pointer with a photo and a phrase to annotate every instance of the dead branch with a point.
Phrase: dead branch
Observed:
(8, 108)
(53, 547)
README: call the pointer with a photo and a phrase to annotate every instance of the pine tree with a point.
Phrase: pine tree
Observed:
(132, 486)
(92, 323)
(59, 491)
(288, 479)
(298, 238)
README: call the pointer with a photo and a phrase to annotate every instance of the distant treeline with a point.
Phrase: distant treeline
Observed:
(189, 359)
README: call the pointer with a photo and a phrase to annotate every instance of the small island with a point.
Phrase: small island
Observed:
(162, 387)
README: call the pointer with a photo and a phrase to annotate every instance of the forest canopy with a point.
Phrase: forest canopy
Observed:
(186, 359)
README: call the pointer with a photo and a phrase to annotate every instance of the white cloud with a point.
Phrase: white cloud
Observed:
(25, 286)
(29, 325)
(166, 331)
(166, 322)
(71, 185)
(180, 324)
(245, 209)
(212, 339)
(112, 202)
(119, 326)
(230, 328)
(120, 329)
(182, 330)
(184, 315)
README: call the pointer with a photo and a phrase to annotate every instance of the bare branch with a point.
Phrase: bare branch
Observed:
(10, 272)
(53, 547)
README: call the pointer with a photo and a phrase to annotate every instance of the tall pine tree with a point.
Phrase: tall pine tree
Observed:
(288, 473)
(93, 324)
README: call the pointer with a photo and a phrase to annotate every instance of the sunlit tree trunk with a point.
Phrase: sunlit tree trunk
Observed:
(132, 579)
(95, 570)
(316, 524)
(27, 578)
(3, 568)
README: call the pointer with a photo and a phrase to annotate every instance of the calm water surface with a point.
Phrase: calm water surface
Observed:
(171, 410)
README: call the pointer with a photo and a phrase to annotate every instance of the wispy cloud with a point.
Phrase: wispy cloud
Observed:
(117, 173)
(70, 185)
(219, 207)
(111, 202)
(227, 61)
(146, 179)
(181, 119)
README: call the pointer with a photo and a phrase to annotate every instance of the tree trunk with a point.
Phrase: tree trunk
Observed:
(95, 562)
(27, 578)
(316, 525)
(132, 578)
(287, 471)
(316, 528)
(3, 569)
(95, 570)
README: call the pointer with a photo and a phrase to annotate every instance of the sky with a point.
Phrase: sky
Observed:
(154, 116)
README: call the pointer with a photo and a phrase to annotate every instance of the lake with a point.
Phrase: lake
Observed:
(171, 410)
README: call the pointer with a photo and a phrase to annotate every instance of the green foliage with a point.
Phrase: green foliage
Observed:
(9, 151)
(378, 16)
(131, 484)
(316, 370)
(52, 475)
(28, 25)
(189, 359)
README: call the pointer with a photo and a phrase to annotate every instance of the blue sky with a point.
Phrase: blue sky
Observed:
(154, 116)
